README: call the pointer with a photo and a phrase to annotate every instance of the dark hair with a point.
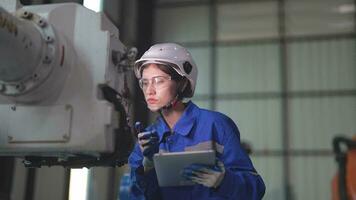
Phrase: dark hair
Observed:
(180, 80)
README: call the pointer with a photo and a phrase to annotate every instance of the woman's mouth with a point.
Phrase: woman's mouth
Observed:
(152, 101)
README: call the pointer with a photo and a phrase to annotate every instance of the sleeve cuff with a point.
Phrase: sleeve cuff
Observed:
(225, 187)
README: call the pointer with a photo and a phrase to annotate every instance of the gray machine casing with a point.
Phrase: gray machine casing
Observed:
(65, 114)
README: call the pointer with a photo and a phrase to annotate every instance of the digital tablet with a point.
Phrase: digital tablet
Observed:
(169, 166)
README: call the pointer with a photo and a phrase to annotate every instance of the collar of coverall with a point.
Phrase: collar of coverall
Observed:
(183, 126)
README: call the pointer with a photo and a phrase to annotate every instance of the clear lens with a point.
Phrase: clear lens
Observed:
(157, 82)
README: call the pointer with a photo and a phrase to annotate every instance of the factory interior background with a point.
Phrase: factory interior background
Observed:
(283, 70)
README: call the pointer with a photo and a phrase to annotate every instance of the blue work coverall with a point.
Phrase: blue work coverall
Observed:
(199, 129)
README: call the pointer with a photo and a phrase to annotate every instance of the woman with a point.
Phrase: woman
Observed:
(167, 74)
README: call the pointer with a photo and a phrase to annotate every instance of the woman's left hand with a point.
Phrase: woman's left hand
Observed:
(207, 175)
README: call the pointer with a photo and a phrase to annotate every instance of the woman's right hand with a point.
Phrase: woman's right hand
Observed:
(148, 142)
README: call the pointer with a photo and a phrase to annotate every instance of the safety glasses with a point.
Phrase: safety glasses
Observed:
(157, 82)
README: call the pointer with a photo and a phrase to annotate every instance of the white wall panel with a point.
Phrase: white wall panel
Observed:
(206, 104)
(271, 170)
(18, 187)
(247, 20)
(201, 57)
(50, 183)
(311, 177)
(321, 17)
(99, 184)
(322, 65)
(248, 68)
(259, 121)
(182, 24)
(314, 122)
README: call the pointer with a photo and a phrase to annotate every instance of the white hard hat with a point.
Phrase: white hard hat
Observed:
(173, 55)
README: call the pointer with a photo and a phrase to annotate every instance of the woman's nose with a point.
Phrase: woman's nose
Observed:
(150, 89)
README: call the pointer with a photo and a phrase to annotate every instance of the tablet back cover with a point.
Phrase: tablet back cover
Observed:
(169, 166)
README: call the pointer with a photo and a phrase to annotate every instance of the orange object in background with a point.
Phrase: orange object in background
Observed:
(351, 174)
(347, 171)
(335, 187)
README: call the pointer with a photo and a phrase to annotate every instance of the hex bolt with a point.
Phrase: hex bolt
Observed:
(20, 87)
(46, 60)
(26, 15)
(13, 108)
(35, 77)
(42, 23)
(49, 39)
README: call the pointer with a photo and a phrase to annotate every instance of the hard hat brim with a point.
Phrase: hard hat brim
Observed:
(141, 63)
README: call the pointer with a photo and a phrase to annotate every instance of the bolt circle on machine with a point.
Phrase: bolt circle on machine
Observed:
(44, 69)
